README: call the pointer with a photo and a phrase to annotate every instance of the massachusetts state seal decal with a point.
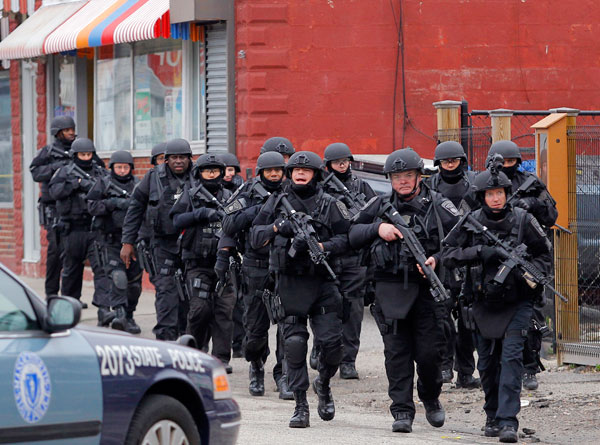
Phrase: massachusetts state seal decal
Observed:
(31, 387)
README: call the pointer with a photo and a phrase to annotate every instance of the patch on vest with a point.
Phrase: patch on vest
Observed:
(235, 206)
(450, 208)
(537, 227)
(343, 209)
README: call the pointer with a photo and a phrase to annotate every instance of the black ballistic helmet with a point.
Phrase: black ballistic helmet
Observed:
(403, 160)
(178, 147)
(60, 123)
(121, 157)
(208, 160)
(271, 159)
(83, 145)
(508, 149)
(337, 150)
(230, 160)
(157, 150)
(486, 180)
(278, 144)
(448, 150)
(305, 159)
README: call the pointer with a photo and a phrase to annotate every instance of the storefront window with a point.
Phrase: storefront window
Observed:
(198, 91)
(158, 92)
(66, 100)
(113, 105)
(6, 165)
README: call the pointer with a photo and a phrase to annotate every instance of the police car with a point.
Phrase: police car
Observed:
(61, 384)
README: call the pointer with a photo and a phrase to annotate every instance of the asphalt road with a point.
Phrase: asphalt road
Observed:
(566, 408)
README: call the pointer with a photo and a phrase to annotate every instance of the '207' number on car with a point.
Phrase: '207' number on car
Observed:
(121, 359)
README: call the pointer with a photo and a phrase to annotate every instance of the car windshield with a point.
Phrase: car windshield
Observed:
(16, 312)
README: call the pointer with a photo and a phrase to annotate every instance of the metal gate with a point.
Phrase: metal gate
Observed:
(217, 128)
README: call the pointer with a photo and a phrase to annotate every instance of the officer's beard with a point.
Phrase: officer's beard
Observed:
(495, 214)
(342, 176)
(271, 186)
(510, 171)
(122, 179)
(65, 142)
(212, 185)
(86, 165)
(452, 176)
(305, 190)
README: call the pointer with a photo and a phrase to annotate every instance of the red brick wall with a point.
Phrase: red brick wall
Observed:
(317, 71)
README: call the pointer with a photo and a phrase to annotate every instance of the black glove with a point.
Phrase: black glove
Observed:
(284, 227)
(528, 204)
(251, 212)
(118, 203)
(110, 204)
(488, 254)
(206, 214)
(123, 203)
(299, 244)
(222, 264)
(85, 184)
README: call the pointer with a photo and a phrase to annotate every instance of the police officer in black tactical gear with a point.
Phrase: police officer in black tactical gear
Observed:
(241, 211)
(500, 311)
(337, 159)
(453, 181)
(280, 145)
(153, 198)
(46, 162)
(306, 289)
(69, 187)
(108, 201)
(531, 194)
(198, 214)
(407, 315)
(157, 155)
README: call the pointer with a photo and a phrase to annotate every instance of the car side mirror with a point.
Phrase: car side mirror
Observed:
(62, 313)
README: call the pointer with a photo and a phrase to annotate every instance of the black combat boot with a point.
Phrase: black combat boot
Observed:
(530, 381)
(508, 434)
(257, 378)
(491, 428)
(447, 375)
(467, 381)
(120, 321)
(403, 423)
(105, 316)
(283, 388)
(132, 327)
(326, 408)
(434, 413)
(348, 371)
(301, 417)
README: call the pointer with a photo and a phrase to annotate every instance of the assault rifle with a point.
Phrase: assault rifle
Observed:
(304, 229)
(208, 196)
(437, 289)
(512, 257)
(82, 174)
(353, 201)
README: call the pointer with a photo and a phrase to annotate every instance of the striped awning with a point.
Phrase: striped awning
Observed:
(106, 22)
(27, 40)
(22, 6)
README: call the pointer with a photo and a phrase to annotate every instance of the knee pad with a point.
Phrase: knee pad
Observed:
(119, 279)
(332, 354)
(295, 350)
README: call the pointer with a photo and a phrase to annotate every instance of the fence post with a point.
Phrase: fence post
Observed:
(448, 120)
(501, 124)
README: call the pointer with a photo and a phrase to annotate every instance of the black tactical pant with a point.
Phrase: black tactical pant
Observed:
(415, 339)
(326, 325)
(53, 261)
(210, 315)
(256, 320)
(125, 284)
(533, 344)
(500, 366)
(352, 288)
(78, 245)
(238, 324)
(459, 345)
(167, 301)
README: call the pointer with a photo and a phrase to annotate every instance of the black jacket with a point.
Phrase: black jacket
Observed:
(108, 204)
(46, 162)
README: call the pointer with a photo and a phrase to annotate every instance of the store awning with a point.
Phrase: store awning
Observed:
(106, 22)
(27, 40)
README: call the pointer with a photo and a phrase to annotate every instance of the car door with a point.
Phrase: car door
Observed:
(50, 387)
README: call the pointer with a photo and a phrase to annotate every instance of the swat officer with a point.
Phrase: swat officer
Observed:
(46, 162)
(305, 288)
(501, 311)
(280, 145)
(69, 187)
(405, 311)
(255, 268)
(108, 201)
(453, 181)
(153, 198)
(531, 194)
(198, 214)
(337, 159)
